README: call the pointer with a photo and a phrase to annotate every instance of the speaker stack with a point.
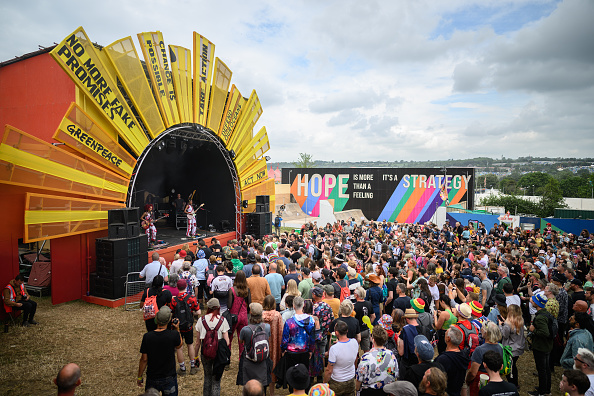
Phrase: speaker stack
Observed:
(117, 256)
(259, 223)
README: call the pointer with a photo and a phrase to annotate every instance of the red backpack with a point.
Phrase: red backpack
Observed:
(210, 344)
(345, 292)
(150, 307)
(470, 340)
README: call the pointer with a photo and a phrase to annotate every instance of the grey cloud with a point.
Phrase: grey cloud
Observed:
(467, 77)
(345, 101)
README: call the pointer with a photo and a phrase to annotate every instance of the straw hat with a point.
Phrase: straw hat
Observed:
(410, 314)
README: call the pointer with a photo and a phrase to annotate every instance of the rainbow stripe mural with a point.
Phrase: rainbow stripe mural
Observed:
(394, 194)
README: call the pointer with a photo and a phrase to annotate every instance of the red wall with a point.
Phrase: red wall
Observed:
(34, 95)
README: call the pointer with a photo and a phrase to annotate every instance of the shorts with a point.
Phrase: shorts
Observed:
(188, 336)
(346, 388)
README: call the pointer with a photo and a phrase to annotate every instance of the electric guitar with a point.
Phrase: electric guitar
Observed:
(193, 215)
(147, 223)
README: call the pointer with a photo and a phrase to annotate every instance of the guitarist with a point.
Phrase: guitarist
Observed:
(148, 224)
(191, 213)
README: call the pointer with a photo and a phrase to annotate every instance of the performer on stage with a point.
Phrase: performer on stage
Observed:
(191, 213)
(148, 224)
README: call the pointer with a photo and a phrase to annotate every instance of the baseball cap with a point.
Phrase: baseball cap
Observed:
(163, 316)
(424, 348)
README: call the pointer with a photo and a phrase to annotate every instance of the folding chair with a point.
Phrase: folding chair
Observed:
(6, 316)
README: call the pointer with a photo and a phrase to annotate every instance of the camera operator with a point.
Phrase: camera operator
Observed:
(158, 350)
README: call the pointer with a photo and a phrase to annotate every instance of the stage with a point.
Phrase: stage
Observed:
(175, 239)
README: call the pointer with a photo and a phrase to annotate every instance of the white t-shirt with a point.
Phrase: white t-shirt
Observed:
(590, 392)
(343, 356)
(513, 300)
(211, 325)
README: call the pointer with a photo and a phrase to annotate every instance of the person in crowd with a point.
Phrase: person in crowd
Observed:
(187, 334)
(499, 311)
(512, 333)
(220, 286)
(298, 379)
(574, 383)
(158, 354)
(153, 269)
(354, 329)
(276, 283)
(68, 379)
(290, 311)
(492, 363)
(378, 367)
(542, 344)
(363, 308)
(163, 298)
(211, 321)
(401, 302)
(375, 295)
(273, 318)
(584, 361)
(253, 388)
(401, 388)
(292, 290)
(178, 260)
(192, 283)
(201, 266)
(332, 301)
(406, 341)
(325, 316)
(425, 352)
(434, 383)
(455, 362)
(16, 298)
(239, 300)
(249, 369)
(298, 340)
(306, 283)
(492, 335)
(443, 319)
(579, 337)
(340, 371)
(171, 285)
(258, 286)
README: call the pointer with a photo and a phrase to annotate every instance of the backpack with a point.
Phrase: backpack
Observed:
(150, 307)
(210, 344)
(470, 340)
(345, 292)
(392, 344)
(209, 277)
(183, 312)
(259, 348)
(553, 325)
(507, 360)
(317, 254)
(425, 326)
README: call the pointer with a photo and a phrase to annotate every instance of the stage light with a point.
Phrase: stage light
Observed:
(267, 158)
(244, 203)
(232, 154)
(161, 145)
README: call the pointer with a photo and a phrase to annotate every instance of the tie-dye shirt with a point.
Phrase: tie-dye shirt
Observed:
(377, 368)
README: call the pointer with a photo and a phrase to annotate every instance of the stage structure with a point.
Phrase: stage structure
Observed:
(402, 195)
(133, 127)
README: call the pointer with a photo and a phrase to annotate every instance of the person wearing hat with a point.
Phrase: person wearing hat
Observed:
(248, 369)
(250, 262)
(375, 295)
(542, 343)
(425, 352)
(158, 353)
(201, 265)
(401, 388)
(298, 379)
(424, 319)
(210, 322)
(406, 346)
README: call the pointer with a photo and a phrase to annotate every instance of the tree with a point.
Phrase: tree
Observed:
(489, 180)
(512, 204)
(305, 161)
(534, 182)
(551, 198)
(508, 185)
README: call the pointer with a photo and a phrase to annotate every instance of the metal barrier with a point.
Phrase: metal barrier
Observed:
(134, 289)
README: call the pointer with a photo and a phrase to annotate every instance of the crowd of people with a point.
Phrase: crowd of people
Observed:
(375, 308)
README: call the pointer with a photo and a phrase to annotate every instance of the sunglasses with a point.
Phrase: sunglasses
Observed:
(579, 360)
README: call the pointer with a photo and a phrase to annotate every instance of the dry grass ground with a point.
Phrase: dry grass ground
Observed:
(105, 342)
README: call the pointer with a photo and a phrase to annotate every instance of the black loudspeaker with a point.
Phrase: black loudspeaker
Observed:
(262, 199)
(123, 223)
(120, 267)
(259, 224)
(106, 287)
(121, 248)
(262, 207)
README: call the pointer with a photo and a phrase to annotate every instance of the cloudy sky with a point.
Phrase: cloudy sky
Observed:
(373, 80)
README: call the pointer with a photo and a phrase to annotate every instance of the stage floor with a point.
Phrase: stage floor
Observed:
(172, 237)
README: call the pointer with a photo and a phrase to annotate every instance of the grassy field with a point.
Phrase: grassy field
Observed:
(105, 343)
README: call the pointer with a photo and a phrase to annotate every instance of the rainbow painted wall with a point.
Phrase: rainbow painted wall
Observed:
(404, 195)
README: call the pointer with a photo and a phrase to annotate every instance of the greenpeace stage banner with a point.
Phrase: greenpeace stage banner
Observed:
(403, 195)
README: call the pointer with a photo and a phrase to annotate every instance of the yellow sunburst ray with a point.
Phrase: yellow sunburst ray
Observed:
(181, 70)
